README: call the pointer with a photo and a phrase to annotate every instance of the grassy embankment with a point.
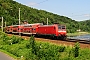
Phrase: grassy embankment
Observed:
(32, 50)
(77, 33)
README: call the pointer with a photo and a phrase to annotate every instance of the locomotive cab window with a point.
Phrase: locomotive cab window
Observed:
(63, 27)
(59, 27)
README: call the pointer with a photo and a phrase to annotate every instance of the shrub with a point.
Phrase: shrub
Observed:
(76, 50)
(61, 48)
(31, 44)
(5, 38)
(30, 56)
(15, 39)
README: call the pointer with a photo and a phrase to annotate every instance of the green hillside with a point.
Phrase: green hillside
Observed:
(9, 10)
(85, 25)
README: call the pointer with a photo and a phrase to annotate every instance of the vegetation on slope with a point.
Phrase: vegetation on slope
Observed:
(9, 10)
(32, 50)
(85, 25)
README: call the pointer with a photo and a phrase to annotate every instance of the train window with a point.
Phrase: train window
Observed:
(59, 27)
(34, 28)
(30, 25)
(63, 27)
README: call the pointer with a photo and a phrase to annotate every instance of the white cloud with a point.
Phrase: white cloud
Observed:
(87, 15)
(32, 4)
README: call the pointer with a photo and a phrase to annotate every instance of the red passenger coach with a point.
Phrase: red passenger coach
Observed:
(17, 29)
(55, 30)
(8, 29)
(14, 29)
(31, 28)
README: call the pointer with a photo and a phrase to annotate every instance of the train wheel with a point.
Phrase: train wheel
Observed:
(64, 38)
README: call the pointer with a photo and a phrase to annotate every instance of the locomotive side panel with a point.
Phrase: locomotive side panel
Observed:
(46, 30)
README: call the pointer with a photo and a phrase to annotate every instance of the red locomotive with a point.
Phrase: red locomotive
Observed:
(38, 29)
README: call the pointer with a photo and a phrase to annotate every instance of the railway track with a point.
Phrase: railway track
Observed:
(79, 40)
(83, 43)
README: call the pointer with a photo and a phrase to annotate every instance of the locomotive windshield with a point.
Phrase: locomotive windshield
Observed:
(61, 27)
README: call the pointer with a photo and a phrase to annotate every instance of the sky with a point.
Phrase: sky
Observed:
(78, 10)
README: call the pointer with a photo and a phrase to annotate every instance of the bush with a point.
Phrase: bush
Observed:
(47, 52)
(61, 48)
(31, 42)
(15, 39)
(76, 50)
(5, 38)
(30, 56)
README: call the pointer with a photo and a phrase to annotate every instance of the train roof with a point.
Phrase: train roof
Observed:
(54, 25)
(32, 24)
(27, 24)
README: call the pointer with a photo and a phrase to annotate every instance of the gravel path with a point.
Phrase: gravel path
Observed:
(3, 56)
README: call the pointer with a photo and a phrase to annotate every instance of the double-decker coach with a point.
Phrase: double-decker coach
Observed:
(31, 28)
(8, 29)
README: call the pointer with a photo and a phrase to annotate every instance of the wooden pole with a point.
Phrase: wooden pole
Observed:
(19, 16)
(19, 23)
(2, 24)
(5, 23)
(47, 21)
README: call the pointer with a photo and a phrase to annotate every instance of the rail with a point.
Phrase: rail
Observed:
(79, 40)
(83, 41)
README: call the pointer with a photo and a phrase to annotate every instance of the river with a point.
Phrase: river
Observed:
(82, 37)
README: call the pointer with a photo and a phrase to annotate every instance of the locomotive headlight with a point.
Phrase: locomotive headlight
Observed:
(61, 31)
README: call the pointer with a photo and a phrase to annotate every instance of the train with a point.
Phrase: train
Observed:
(55, 30)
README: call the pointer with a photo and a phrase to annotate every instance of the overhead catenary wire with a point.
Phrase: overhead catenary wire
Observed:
(42, 2)
(87, 15)
(71, 14)
(67, 13)
(39, 2)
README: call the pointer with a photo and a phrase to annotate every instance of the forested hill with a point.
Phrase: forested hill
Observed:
(9, 10)
(85, 25)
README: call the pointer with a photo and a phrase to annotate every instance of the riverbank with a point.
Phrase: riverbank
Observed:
(77, 34)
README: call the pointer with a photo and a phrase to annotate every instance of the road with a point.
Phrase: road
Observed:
(3, 56)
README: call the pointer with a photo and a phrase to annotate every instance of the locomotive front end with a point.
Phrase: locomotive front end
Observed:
(62, 31)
